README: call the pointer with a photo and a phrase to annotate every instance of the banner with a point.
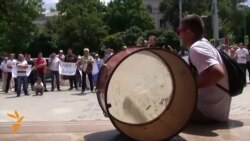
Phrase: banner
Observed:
(17, 71)
(68, 69)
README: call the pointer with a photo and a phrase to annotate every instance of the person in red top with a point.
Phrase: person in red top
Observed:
(40, 68)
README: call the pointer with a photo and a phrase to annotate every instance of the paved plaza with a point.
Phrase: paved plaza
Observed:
(72, 116)
(52, 106)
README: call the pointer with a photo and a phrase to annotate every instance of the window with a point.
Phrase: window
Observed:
(162, 23)
(149, 8)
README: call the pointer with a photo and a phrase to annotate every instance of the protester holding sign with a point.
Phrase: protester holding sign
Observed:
(22, 76)
(71, 58)
(31, 77)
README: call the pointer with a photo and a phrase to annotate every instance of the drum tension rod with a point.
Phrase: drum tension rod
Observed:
(109, 105)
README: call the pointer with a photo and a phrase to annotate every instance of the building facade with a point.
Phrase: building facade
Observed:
(153, 6)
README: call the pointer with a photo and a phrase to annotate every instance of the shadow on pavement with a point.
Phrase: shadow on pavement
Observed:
(207, 129)
(114, 135)
(80, 94)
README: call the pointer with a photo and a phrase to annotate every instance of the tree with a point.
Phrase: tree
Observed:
(79, 25)
(16, 27)
(164, 38)
(131, 35)
(115, 41)
(229, 15)
(42, 43)
(123, 14)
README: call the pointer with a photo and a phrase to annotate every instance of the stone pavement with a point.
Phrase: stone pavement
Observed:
(52, 106)
(80, 119)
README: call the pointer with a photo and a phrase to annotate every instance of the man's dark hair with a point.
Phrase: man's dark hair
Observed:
(195, 24)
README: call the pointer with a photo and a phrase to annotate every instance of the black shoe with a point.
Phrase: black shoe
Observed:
(52, 90)
(45, 90)
(59, 90)
(27, 94)
(70, 89)
(18, 96)
(77, 89)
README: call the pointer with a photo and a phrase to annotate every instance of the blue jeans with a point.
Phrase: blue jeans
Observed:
(20, 80)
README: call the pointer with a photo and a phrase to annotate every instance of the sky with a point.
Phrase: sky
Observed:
(48, 4)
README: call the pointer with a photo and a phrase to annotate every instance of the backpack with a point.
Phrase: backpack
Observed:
(236, 75)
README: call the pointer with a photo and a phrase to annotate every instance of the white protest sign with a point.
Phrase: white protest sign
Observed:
(68, 69)
(17, 71)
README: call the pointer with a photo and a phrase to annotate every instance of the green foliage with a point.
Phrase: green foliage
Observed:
(165, 38)
(79, 25)
(16, 27)
(228, 13)
(42, 43)
(123, 14)
(115, 41)
(131, 35)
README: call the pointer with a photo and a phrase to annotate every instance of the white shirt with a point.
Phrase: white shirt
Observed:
(24, 62)
(54, 64)
(21, 71)
(213, 102)
(4, 66)
(11, 63)
(241, 55)
(83, 62)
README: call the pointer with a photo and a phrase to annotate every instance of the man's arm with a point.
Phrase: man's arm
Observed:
(91, 60)
(211, 76)
(23, 66)
(44, 63)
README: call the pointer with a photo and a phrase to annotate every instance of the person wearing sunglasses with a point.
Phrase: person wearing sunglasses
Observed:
(213, 103)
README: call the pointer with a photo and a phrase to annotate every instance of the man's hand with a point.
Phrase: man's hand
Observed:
(211, 76)
(22, 66)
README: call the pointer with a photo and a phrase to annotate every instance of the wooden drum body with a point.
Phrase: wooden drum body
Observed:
(149, 94)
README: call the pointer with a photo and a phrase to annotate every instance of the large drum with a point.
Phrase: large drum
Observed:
(149, 94)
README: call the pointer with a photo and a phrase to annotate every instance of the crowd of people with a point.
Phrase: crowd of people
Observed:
(41, 68)
(240, 53)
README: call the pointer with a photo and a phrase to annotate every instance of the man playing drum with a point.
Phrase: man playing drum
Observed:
(213, 103)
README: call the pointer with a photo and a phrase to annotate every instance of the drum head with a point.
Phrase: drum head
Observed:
(140, 89)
